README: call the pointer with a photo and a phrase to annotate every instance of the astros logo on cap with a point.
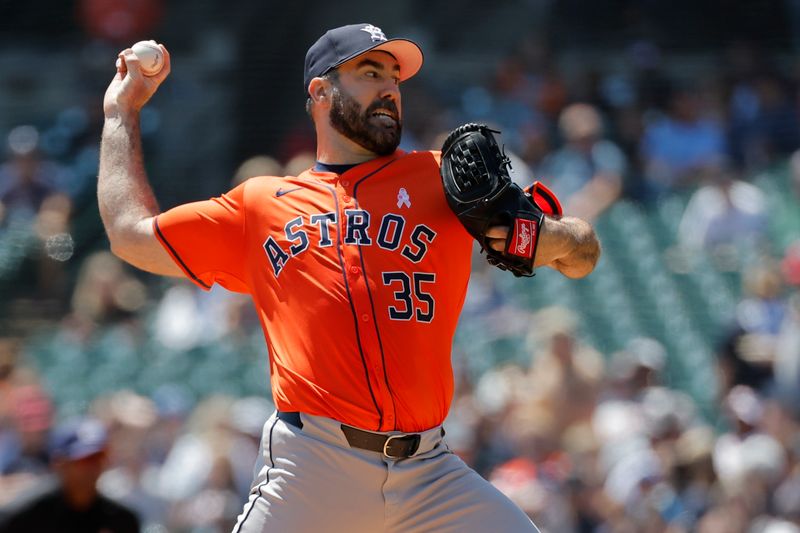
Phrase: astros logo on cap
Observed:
(374, 32)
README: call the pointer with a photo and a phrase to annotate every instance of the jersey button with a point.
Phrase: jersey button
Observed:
(365, 317)
(354, 270)
(346, 198)
(345, 183)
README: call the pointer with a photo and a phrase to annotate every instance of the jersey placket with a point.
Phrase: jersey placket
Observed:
(359, 294)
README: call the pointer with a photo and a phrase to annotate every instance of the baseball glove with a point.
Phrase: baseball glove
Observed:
(480, 192)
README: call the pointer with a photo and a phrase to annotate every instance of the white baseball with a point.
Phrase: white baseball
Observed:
(150, 57)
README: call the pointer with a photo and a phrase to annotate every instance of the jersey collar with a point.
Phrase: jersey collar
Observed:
(353, 172)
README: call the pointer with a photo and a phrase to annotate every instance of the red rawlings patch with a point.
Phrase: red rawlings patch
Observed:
(522, 243)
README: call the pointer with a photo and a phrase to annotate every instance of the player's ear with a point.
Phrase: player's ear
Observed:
(319, 90)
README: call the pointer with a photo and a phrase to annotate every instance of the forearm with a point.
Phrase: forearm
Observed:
(568, 245)
(124, 195)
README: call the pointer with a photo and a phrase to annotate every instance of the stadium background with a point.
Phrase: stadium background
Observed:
(660, 393)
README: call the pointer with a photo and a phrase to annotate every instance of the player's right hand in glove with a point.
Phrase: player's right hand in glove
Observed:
(480, 192)
(543, 197)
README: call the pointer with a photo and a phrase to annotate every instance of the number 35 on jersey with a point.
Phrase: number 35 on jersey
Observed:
(388, 236)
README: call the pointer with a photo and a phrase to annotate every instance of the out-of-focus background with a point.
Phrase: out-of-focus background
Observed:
(661, 393)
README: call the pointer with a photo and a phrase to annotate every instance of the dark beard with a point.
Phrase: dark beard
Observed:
(346, 118)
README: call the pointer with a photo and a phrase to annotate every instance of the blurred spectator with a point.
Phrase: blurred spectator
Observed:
(25, 420)
(650, 79)
(726, 211)
(105, 292)
(173, 402)
(259, 165)
(73, 504)
(544, 76)
(130, 419)
(26, 449)
(636, 368)
(299, 163)
(748, 461)
(694, 474)
(586, 174)
(678, 145)
(636, 482)
(26, 180)
(206, 494)
(746, 355)
(215, 505)
(763, 120)
(532, 477)
(198, 445)
(565, 373)
(188, 317)
(462, 426)
(763, 307)
(247, 418)
(638, 424)
(526, 93)
(33, 210)
(512, 100)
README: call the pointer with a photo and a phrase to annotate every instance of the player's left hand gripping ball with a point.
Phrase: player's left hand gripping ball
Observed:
(480, 192)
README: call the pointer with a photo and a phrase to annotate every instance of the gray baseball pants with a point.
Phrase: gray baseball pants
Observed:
(310, 480)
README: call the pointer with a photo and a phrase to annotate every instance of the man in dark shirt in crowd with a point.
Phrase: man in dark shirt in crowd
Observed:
(74, 504)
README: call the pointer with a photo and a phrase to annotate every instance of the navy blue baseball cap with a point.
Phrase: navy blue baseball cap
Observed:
(347, 42)
(77, 439)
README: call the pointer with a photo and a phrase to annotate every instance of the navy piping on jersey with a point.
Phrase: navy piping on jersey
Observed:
(175, 254)
(265, 483)
(350, 301)
(369, 293)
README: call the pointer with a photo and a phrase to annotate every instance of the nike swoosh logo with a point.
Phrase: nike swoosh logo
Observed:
(282, 191)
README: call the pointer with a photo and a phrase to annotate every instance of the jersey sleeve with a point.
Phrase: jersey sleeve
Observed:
(207, 240)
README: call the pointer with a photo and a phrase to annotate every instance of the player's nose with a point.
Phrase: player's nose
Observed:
(391, 91)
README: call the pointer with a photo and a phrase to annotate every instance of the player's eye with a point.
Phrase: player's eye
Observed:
(371, 74)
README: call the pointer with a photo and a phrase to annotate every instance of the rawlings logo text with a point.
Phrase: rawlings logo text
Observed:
(524, 238)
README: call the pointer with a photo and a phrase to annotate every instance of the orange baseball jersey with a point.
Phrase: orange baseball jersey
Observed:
(358, 280)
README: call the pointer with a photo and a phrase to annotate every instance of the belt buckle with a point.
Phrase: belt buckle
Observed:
(386, 447)
(398, 437)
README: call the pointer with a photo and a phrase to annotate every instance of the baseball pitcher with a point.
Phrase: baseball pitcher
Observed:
(358, 268)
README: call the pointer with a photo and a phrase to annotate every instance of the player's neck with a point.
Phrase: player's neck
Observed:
(333, 148)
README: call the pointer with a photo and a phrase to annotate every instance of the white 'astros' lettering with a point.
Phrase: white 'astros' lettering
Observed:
(320, 230)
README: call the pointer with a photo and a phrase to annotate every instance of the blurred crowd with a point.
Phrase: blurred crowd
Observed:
(584, 440)
(580, 440)
(587, 443)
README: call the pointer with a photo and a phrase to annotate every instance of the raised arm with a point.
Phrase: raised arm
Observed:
(126, 200)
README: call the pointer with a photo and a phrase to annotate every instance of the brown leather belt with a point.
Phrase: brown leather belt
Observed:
(392, 446)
